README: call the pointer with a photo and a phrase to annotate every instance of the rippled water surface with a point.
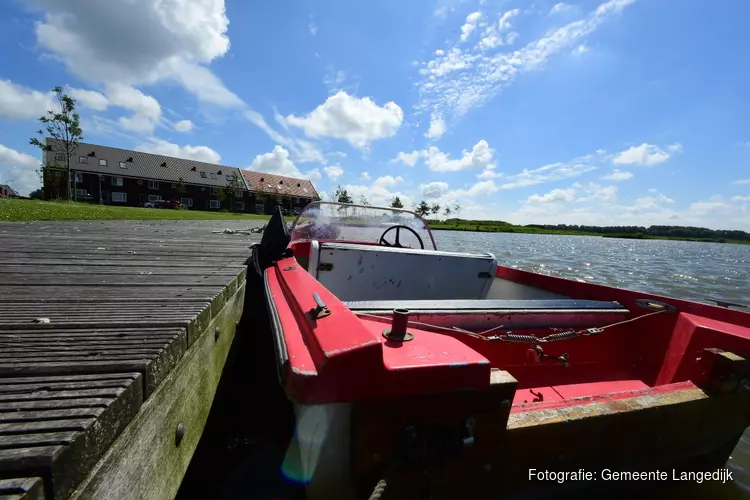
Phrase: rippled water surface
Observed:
(681, 269)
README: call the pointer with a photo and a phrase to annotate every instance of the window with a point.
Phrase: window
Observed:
(214, 191)
(215, 204)
(119, 197)
(116, 181)
(60, 156)
(153, 184)
(79, 176)
(102, 163)
(83, 159)
(81, 193)
(278, 199)
(296, 200)
(186, 202)
(213, 176)
(203, 174)
(239, 193)
(240, 205)
(123, 164)
(260, 208)
(154, 197)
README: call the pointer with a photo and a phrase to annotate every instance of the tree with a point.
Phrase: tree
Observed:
(447, 211)
(396, 202)
(228, 192)
(457, 209)
(62, 124)
(422, 209)
(342, 196)
(37, 194)
(364, 201)
(435, 208)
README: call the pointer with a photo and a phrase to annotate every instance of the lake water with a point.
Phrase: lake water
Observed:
(681, 269)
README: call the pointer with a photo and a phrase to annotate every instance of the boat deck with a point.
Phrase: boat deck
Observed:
(108, 373)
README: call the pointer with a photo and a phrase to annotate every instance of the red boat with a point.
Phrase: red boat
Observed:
(415, 370)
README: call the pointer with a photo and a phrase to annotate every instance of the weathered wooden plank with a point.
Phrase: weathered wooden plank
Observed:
(119, 270)
(109, 291)
(62, 451)
(25, 488)
(196, 262)
(64, 354)
(144, 462)
(133, 280)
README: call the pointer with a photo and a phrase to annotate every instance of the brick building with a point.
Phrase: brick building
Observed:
(113, 176)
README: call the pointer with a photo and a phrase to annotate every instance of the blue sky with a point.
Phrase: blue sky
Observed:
(583, 112)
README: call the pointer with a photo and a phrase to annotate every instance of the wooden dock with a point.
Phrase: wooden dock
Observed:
(113, 337)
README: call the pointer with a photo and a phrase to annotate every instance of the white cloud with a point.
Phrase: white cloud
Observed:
(741, 182)
(645, 154)
(675, 148)
(595, 192)
(560, 7)
(199, 153)
(463, 80)
(387, 181)
(312, 27)
(18, 102)
(377, 195)
(482, 188)
(334, 172)
(740, 198)
(471, 23)
(184, 126)
(554, 171)
(409, 159)
(366, 176)
(359, 121)
(278, 162)
(437, 128)
(488, 174)
(556, 195)
(580, 50)
(89, 98)
(19, 170)
(434, 189)
(439, 52)
(146, 109)
(442, 11)
(618, 175)
(480, 157)
(334, 80)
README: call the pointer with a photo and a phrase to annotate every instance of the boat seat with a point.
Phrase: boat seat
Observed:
(370, 272)
(562, 313)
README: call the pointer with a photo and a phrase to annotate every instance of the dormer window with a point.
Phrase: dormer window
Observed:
(193, 169)
(163, 164)
(130, 159)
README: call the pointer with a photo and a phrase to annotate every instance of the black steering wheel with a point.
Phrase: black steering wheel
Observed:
(397, 242)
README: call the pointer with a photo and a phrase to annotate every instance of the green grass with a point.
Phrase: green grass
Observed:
(31, 210)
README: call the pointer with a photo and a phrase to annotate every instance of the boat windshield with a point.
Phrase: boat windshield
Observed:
(329, 221)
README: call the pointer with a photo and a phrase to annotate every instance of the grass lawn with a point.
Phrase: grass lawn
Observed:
(30, 210)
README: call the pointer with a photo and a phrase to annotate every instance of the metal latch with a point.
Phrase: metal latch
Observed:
(320, 310)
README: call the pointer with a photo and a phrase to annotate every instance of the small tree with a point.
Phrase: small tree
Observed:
(342, 195)
(37, 194)
(62, 124)
(364, 201)
(435, 209)
(447, 211)
(457, 209)
(396, 202)
(422, 209)
(227, 193)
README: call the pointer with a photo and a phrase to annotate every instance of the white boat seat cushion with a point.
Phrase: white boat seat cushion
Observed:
(365, 272)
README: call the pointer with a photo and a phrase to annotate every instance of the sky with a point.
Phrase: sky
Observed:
(618, 112)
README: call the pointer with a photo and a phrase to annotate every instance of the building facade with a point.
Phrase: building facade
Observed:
(113, 176)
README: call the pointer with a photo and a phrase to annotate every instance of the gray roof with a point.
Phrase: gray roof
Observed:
(147, 165)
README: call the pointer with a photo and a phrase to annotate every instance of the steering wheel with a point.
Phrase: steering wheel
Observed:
(397, 242)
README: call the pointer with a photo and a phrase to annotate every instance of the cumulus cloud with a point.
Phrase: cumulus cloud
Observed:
(184, 126)
(645, 154)
(434, 189)
(19, 102)
(554, 171)
(741, 182)
(19, 170)
(146, 110)
(387, 181)
(480, 157)
(359, 121)
(198, 153)
(471, 23)
(556, 195)
(559, 7)
(278, 162)
(365, 176)
(89, 98)
(437, 128)
(488, 174)
(409, 159)
(618, 175)
(334, 172)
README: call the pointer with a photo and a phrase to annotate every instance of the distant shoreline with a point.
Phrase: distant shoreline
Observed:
(534, 230)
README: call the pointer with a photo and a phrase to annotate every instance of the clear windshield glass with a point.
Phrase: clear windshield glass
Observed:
(362, 224)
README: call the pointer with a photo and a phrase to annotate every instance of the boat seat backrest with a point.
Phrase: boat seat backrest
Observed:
(366, 272)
